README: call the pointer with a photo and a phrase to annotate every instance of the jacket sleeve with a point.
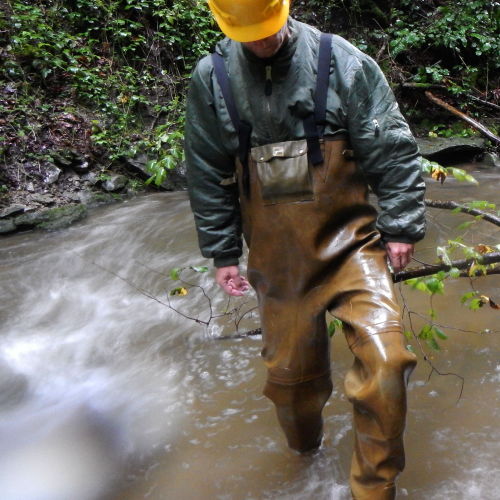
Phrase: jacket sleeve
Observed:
(214, 199)
(387, 153)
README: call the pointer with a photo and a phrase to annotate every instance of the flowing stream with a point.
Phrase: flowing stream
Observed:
(107, 393)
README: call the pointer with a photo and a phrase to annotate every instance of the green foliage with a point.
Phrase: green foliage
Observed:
(165, 145)
(440, 173)
(456, 129)
(480, 205)
(429, 284)
(430, 333)
(463, 33)
(102, 177)
(123, 59)
(334, 325)
(136, 185)
(175, 273)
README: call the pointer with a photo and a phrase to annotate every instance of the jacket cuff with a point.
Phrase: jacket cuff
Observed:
(398, 238)
(226, 261)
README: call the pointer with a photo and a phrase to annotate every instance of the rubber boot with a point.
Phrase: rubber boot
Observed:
(376, 386)
(299, 408)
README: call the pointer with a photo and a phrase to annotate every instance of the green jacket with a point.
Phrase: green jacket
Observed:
(360, 103)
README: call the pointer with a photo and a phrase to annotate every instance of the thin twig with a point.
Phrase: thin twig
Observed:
(429, 269)
(446, 374)
(243, 315)
(430, 363)
(494, 106)
(453, 205)
(449, 327)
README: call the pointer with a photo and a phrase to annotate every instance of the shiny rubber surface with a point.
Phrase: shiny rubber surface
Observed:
(309, 257)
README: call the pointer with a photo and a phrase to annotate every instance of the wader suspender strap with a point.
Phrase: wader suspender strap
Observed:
(311, 122)
(243, 129)
(318, 118)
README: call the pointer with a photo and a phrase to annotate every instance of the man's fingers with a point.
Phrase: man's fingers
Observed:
(399, 254)
(240, 283)
(231, 281)
(231, 289)
(400, 261)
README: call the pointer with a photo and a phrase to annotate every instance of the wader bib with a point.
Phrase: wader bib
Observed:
(313, 247)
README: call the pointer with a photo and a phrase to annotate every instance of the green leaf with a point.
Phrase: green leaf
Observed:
(409, 347)
(434, 285)
(475, 304)
(443, 255)
(465, 225)
(433, 344)
(426, 332)
(466, 296)
(199, 269)
(480, 205)
(440, 333)
(454, 272)
(418, 284)
(461, 175)
(441, 275)
(331, 328)
(408, 334)
(334, 325)
(175, 273)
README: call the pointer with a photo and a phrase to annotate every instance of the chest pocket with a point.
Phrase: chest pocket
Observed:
(282, 170)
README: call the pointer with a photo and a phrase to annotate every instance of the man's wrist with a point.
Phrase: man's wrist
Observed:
(398, 238)
(226, 261)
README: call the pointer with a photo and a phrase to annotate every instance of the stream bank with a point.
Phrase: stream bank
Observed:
(53, 194)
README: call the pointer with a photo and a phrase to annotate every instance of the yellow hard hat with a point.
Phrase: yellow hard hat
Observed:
(249, 20)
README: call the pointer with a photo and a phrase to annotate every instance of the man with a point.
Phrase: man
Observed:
(285, 128)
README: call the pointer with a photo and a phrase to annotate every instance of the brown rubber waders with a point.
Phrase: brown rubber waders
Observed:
(313, 248)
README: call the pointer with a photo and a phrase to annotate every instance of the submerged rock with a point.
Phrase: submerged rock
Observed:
(490, 160)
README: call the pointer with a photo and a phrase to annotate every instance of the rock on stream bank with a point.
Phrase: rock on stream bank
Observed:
(53, 196)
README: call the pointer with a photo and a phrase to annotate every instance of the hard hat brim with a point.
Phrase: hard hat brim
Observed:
(254, 32)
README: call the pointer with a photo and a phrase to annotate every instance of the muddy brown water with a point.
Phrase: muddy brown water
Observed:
(106, 393)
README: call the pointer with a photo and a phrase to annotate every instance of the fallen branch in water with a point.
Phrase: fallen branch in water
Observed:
(473, 123)
(429, 269)
(453, 205)
(486, 103)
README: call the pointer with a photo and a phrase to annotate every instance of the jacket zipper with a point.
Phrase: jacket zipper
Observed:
(268, 92)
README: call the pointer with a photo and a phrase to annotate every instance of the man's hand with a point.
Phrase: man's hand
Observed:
(399, 254)
(230, 280)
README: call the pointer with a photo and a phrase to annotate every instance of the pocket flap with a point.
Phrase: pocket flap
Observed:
(288, 149)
